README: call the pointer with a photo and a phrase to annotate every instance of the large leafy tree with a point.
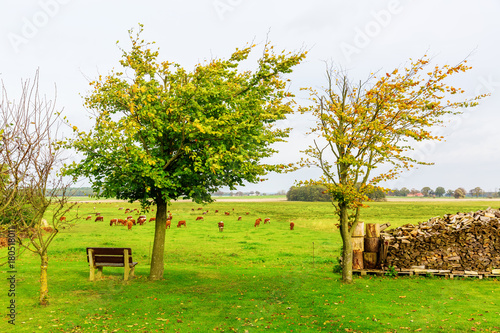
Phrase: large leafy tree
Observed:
(361, 126)
(162, 132)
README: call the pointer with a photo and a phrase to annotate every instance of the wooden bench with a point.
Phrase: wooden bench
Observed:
(98, 257)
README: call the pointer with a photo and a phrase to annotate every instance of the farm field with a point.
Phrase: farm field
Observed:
(244, 279)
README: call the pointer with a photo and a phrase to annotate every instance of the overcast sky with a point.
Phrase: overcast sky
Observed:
(73, 41)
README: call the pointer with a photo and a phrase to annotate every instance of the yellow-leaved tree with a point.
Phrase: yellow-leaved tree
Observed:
(361, 126)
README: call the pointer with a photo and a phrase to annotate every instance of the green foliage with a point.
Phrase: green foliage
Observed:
(440, 191)
(391, 272)
(162, 131)
(308, 193)
(376, 195)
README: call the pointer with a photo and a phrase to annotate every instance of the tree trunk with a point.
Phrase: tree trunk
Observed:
(156, 271)
(346, 240)
(44, 286)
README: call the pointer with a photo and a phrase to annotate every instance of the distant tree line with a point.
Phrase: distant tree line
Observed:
(441, 192)
(318, 193)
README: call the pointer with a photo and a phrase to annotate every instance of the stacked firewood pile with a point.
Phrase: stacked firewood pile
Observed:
(460, 242)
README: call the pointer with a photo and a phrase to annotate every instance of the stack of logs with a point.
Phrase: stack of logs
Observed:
(462, 241)
(366, 246)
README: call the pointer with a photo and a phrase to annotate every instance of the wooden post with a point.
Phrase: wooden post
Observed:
(358, 243)
(357, 260)
(360, 230)
(91, 264)
(370, 260)
(126, 264)
(372, 244)
(373, 230)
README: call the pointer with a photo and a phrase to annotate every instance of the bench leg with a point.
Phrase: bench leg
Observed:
(132, 270)
(92, 274)
(99, 272)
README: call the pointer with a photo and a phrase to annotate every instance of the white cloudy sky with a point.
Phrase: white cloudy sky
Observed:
(72, 41)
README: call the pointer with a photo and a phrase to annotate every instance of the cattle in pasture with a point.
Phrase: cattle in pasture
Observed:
(88, 218)
(292, 225)
(227, 213)
(99, 218)
(97, 214)
(129, 217)
(62, 218)
(121, 208)
(181, 223)
(131, 220)
(247, 213)
(129, 224)
(141, 220)
(267, 220)
(239, 218)
(167, 225)
(199, 208)
(221, 226)
(152, 219)
(257, 222)
(216, 210)
(113, 222)
(121, 221)
(199, 218)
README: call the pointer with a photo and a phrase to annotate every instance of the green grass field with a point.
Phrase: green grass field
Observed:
(244, 279)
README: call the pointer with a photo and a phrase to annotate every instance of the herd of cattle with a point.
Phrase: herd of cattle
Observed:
(129, 221)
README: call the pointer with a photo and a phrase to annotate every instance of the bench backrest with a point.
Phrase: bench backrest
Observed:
(109, 254)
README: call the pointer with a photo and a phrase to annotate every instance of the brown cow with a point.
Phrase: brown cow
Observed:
(88, 218)
(129, 224)
(267, 220)
(121, 221)
(221, 226)
(167, 225)
(99, 218)
(181, 223)
(113, 221)
(141, 220)
(257, 222)
(152, 219)
(199, 218)
(239, 218)
(227, 213)
(129, 217)
(292, 225)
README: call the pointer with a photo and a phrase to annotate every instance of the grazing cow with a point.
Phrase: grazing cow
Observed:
(221, 226)
(121, 208)
(99, 218)
(199, 208)
(142, 216)
(129, 224)
(131, 220)
(181, 223)
(192, 209)
(141, 220)
(267, 220)
(167, 225)
(169, 217)
(152, 219)
(292, 225)
(129, 217)
(121, 221)
(199, 218)
(227, 213)
(97, 214)
(239, 218)
(247, 213)
(216, 210)
(62, 218)
(113, 221)
(257, 222)
(88, 218)
(127, 210)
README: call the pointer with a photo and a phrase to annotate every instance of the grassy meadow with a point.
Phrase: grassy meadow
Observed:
(244, 279)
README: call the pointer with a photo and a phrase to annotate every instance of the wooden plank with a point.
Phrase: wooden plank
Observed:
(90, 254)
